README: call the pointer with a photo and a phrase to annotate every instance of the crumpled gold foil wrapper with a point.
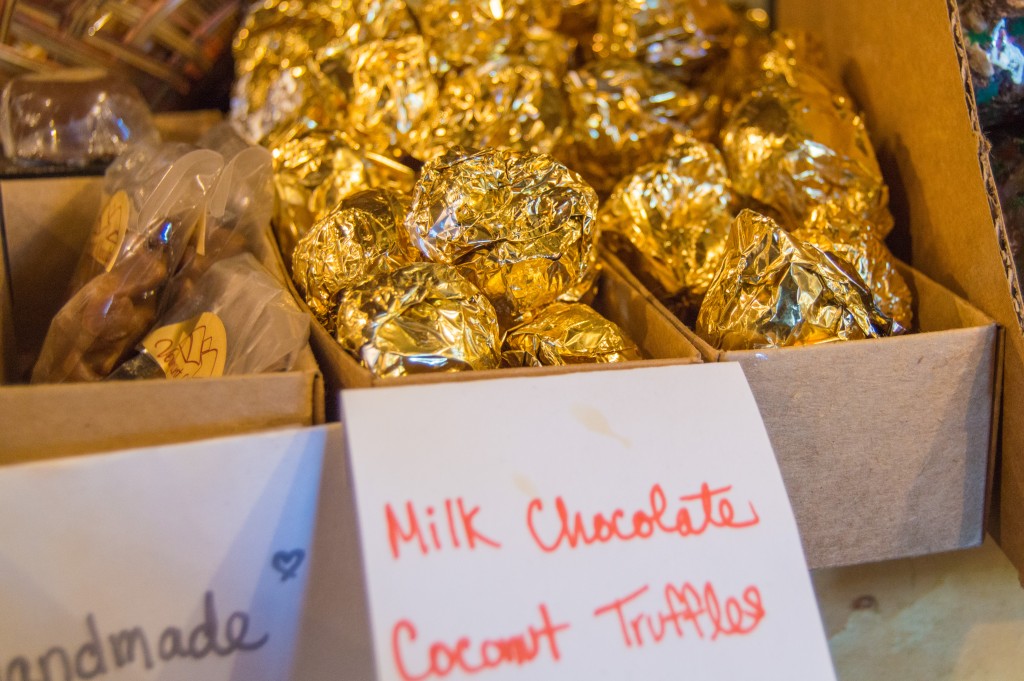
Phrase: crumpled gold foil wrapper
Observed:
(678, 37)
(291, 59)
(676, 215)
(394, 96)
(520, 226)
(578, 18)
(550, 51)
(363, 237)
(277, 78)
(794, 59)
(568, 333)
(271, 93)
(314, 169)
(795, 149)
(468, 32)
(624, 115)
(507, 102)
(422, 318)
(774, 290)
(858, 245)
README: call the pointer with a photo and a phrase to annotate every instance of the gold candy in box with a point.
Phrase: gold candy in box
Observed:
(542, 149)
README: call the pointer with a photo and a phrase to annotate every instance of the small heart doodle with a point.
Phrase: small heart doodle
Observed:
(288, 562)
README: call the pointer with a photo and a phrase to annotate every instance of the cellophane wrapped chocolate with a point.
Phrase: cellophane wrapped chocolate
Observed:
(421, 318)
(520, 226)
(567, 333)
(135, 248)
(363, 237)
(774, 290)
(72, 117)
(237, 319)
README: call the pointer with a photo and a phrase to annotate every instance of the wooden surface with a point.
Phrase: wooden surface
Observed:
(948, 617)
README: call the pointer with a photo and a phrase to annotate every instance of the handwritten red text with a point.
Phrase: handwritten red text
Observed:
(422, 528)
(686, 608)
(695, 515)
(471, 657)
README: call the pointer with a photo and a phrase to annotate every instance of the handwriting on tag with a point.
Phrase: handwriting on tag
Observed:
(108, 650)
(195, 348)
(110, 230)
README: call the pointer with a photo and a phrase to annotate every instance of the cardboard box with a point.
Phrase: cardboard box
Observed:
(885, 445)
(652, 329)
(906, 65)
(45, 224)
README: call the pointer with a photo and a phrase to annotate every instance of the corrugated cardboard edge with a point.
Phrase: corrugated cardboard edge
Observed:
(1002, 238)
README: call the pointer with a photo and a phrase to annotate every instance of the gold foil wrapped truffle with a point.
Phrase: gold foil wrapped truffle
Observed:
(394, 96)
(567, 333)
(291, 59)
(551, 51)
(679, 37)
(277, 78)
(467, 32)
(271, 93)
(314, 169)
(364, 236)
(520, 226)
(774, 290)
(676, 214)
(421, 318)
(794, 149)
(507, 102)
(858, 245)
(624, 116)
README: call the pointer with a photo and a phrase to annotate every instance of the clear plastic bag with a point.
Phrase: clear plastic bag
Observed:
(237, 319)
(136, 246)
(72, 117)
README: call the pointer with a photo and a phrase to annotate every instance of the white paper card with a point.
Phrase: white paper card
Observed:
(176, 562)
(601, 525)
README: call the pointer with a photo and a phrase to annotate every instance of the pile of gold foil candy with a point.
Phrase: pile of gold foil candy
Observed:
(430, 151)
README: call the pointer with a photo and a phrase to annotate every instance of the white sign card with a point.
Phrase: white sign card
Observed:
(601, 525)
(182, 562)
